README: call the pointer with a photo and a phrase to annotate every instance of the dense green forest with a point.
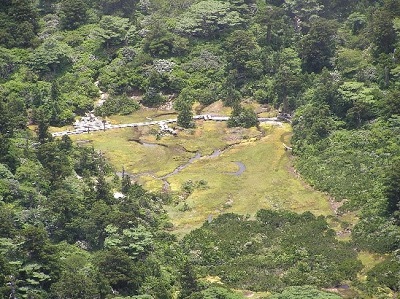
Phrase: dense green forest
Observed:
(333, 65)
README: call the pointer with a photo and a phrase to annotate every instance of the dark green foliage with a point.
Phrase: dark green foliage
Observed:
(250, 255)
(392, 188)
(7, 225)
(153, 98)
(243, 117)
(390, 105)
(160, 42)
(123, 8)
(115, 30)
(304, 292)
(208, 19)
(51, 57)
(377, 234)
(18, 24)
(318, 46)
(55, 161)
(117, 105)
(119, 271)
(312, 123)
(185, 116)
(381, 32)
(43, 123)
(215, 292)
(386, 273)
(73, 13)
(243, 55)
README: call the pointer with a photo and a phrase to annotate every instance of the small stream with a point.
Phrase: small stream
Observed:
(242, 168)
(166, 186)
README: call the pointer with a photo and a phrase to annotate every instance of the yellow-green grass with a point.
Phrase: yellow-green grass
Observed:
(217, 108)
(369, 260)
(208, 136)
(266, 183)
(142, 116)
(132, 156)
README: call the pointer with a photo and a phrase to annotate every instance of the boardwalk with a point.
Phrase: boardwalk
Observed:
(93, 124)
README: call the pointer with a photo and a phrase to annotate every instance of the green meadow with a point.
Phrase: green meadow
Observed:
(267, 180)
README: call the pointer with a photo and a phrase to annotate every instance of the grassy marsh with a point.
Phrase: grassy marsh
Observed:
(267, 182)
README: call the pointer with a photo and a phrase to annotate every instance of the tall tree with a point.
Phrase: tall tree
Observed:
(122, 8)
(381, 32)
(185, 116)
(73, 13)
(318, 46)
(243, 54)
(20, 23)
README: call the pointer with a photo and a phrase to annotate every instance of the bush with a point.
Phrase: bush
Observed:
(152, 98)
(117, 105)
(243, 117)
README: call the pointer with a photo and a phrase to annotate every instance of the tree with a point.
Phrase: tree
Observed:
(77, 280)
(356, 22)
(135, 241)
(42, 121)
(381, 32)
(243, 55)
(188, 281)
(115, 30)
(7, 225)
(185, 116)
(386, 273)
(51, 56)
(303, 9)
(311, 124)
(65, 205)
(152, 98)
(55, 161)
(392, 188)
(19, 24)
(118, 269)
(208, 19)
(390, 106)
(13, 116)
(73, 13)
(318, 46)
(242, 117)
(121, 8)
(160, 42)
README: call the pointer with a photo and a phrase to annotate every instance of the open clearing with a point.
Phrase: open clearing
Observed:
(266, 182)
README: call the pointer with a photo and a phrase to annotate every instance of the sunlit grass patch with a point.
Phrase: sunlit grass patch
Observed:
(265, 181)
(134, 157)
(142, 116)
(369, 260)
